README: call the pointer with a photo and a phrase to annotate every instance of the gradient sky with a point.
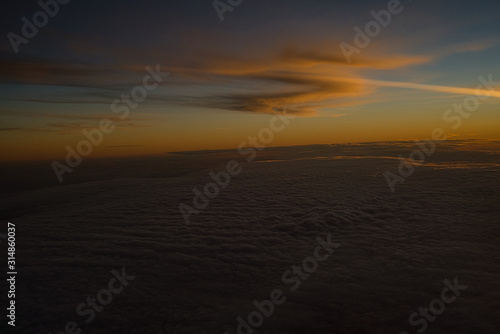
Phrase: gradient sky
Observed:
(226, 77)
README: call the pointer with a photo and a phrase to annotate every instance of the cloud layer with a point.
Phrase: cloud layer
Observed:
(396, 248)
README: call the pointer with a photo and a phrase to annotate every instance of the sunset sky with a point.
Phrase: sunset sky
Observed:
(227, 76)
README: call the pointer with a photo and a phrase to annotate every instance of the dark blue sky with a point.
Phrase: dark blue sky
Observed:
(263, 54)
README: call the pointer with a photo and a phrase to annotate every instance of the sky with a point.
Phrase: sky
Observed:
(228, 77)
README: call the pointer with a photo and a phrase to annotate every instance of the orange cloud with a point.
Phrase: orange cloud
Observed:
(302, 80)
